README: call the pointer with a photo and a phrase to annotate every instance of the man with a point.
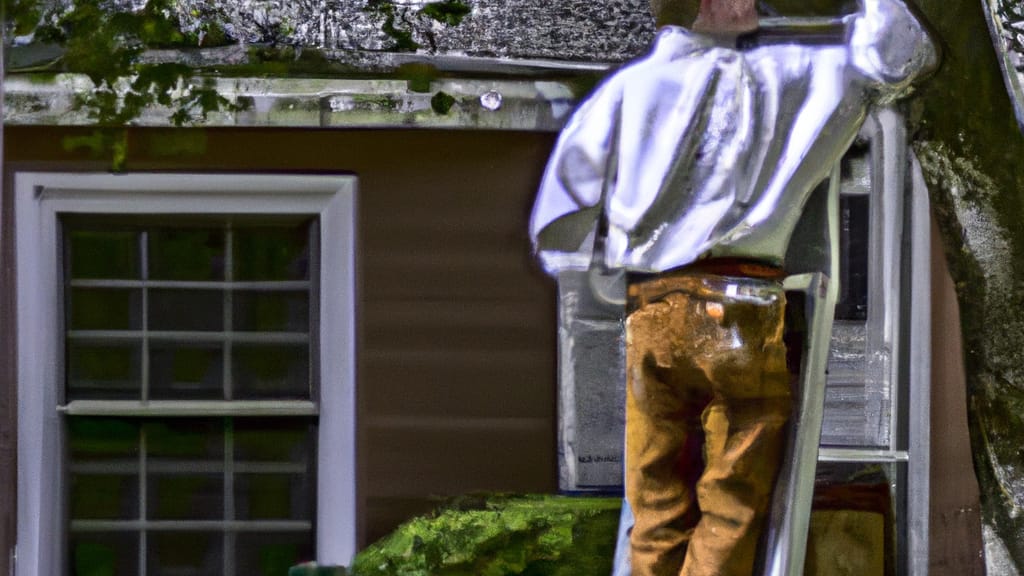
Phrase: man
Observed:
(688, 170)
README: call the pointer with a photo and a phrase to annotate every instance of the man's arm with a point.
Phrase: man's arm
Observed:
(568, 200)
(889, 45)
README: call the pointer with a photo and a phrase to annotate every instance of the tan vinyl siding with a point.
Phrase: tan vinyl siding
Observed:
(458, 339)
(456, 324)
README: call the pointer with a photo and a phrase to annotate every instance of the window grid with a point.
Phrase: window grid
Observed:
(143, 500)
(144, 270)
(229, 458)
(229, 273)
(227, 469)
(145, 467)
(227, 337)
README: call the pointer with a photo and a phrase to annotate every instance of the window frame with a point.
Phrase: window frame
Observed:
(40, 198)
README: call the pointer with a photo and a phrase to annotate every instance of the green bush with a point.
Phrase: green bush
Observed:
(496, 536)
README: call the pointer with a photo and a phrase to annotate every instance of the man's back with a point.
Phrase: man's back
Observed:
(700, 150)
(712, 141)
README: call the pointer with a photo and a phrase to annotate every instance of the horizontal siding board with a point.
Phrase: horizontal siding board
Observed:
(463, 392)
(484, 245)
(391, 283)
(424, 460)
(417, 262)
(456, 326)
(454, 358)
(443, 217)
(512, 424)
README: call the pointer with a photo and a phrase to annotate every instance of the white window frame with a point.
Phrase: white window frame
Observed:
(40, 198)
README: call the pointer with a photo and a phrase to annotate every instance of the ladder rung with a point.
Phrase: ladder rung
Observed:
(861, 455)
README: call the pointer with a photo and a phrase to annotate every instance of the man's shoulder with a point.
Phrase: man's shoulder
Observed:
(675, 51)
(676, 42)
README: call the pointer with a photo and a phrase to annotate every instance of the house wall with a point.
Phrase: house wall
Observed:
(456, 324)
(456, 351)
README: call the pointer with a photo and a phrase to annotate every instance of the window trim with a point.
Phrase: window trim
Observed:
(39, 200)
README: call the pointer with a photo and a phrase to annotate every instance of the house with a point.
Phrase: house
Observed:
(308, 224)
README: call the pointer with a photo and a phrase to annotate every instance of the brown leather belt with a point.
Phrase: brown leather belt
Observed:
(741, 267)
(738, 267)
(712, 279)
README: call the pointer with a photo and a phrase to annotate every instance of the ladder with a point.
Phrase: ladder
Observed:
(869, 228)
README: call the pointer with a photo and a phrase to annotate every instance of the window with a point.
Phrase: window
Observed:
(185, 346)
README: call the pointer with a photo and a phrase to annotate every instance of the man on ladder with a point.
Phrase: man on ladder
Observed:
(687, 170)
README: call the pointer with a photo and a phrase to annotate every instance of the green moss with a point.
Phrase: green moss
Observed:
(450, 12)
(583, 84)
(418, 76)
(500, 535)
(374, 102)
(40, 78)
(286, 61)
(442, 102)
(403, 38)
(212, 34)
(300, 104)
(390, 15)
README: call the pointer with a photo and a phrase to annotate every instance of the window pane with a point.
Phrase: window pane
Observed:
(105, 496)
(182, 496)
(183, 372)
(186, 469)
(272, 253)
(104, 465)
(101, 254)
(106, 553)
(274, 440)
(188, 310)
(103, 371)
(180, 553)
(105, 309)
(271, 311)
(271, 371)
(274, 458)
(274, 497)
(186, 254)
(272, 554)
(198, 438)
(102, 438)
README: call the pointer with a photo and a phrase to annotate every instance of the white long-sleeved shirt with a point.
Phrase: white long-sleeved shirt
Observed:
(700, 150)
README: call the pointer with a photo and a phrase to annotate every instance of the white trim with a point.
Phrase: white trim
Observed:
(336, 508)
(41, 197)
(157, 408)
(919, 376)
(38, 423)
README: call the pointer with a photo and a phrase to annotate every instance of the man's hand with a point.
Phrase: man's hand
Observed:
(726, 17)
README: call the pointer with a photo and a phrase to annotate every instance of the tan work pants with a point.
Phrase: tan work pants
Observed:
(708, 396)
